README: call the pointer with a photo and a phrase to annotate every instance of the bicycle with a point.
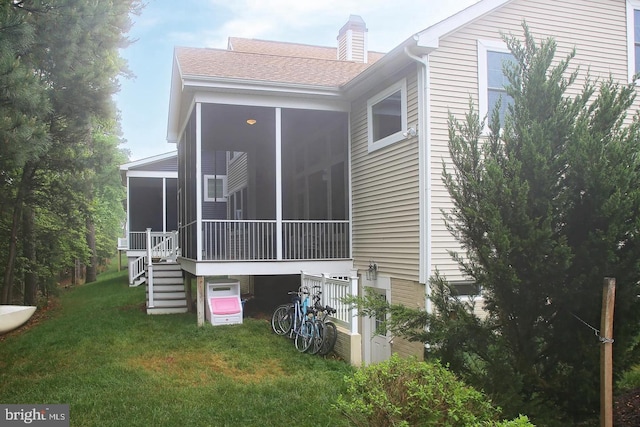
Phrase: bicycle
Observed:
(292, 319)
(307, 324)
(327, 330)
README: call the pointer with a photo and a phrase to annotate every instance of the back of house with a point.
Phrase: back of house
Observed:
(329, 160)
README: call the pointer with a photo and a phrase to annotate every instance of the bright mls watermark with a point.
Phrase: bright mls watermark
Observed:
(34, 415)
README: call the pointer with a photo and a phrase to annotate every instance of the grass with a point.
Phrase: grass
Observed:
(101, 353)
(630, 380)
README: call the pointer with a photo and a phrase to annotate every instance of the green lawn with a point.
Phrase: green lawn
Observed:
(116, 366)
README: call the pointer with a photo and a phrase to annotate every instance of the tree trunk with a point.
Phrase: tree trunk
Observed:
(29, 252)
(92, 266)
(25, 184)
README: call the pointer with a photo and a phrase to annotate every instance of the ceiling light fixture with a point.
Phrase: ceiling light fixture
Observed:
(251, 121)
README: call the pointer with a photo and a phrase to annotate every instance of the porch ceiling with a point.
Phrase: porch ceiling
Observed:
(226, 126)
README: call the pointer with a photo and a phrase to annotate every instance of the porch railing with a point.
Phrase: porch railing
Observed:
(250, 240)
(334, 290)
(165, 247)
(238, 240)
(315, 239)
(138, 239)
(123, 243)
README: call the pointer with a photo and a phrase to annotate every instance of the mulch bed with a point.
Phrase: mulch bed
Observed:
(626, 409)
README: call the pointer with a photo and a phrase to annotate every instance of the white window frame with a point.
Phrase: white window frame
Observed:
(467, 297)
(632, 6)
(380, 96)
(485, 46)
(232, 156)
(205, 187)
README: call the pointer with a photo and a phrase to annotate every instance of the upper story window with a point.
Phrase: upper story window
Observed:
(633, 37)
(492, 56)
(215, 188)
(387, 116)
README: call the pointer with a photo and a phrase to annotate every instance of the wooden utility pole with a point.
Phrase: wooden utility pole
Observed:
(606, 352)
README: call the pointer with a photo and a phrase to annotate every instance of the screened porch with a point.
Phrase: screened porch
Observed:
(263, 184)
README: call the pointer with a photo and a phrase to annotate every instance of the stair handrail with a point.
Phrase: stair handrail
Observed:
(166, 248)
(150, 268)
(136, 268)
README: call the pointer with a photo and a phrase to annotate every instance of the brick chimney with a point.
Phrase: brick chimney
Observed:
(352, 40)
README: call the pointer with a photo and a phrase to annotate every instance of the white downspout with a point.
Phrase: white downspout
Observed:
(424, 171)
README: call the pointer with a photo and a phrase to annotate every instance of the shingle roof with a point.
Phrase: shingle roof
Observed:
(268, 47)
(268, 61)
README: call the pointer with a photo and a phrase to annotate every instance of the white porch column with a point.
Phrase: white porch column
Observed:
(355, 356)
(279, 183)
(128, 224)
(354, 310)
(164, 205)
(150, 269)
(198, 181)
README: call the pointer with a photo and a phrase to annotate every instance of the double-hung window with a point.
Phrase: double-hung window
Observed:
(387, 116)
(633, 37)
(492, 81)
(215, 188)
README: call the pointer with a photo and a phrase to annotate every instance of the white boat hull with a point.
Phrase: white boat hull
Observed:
(14, 316)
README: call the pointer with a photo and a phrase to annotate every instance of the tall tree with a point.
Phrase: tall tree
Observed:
(73, 58)
(22, 128)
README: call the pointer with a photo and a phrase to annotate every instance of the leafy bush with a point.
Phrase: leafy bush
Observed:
(521, 421)
(630, 380)
(407, 392)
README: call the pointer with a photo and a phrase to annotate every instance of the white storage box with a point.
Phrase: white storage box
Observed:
(224, 306)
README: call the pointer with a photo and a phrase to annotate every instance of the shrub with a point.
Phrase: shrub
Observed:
(407, 392)
(630, 380)
(521, 421)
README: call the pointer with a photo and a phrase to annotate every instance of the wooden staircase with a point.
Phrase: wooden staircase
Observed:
(168, 289)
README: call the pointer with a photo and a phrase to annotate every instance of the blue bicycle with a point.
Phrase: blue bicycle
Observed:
(297, 319)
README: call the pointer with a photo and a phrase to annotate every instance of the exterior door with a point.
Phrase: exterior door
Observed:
(380, 346)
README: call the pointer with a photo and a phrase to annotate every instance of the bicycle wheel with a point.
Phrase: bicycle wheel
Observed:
(329, 339)
(304, 337)
(318, 337)
(281, 319)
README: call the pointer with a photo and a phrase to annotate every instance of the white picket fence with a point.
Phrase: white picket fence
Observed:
(334, 289)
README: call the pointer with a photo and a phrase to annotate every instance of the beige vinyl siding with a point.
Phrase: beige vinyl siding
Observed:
(412, 295)
(385, 193)
(597, 29)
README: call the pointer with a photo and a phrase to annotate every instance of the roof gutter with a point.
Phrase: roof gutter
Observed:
(231, 84)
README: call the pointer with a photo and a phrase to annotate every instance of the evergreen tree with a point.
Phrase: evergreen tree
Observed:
(71, 54)
(545, 208)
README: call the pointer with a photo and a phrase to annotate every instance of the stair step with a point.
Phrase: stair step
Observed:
(139, 281)
(166, 310)
(170, 303)
(166, 288)
(167, 273)
(159, 296)
(167, 266)
(167, 281)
